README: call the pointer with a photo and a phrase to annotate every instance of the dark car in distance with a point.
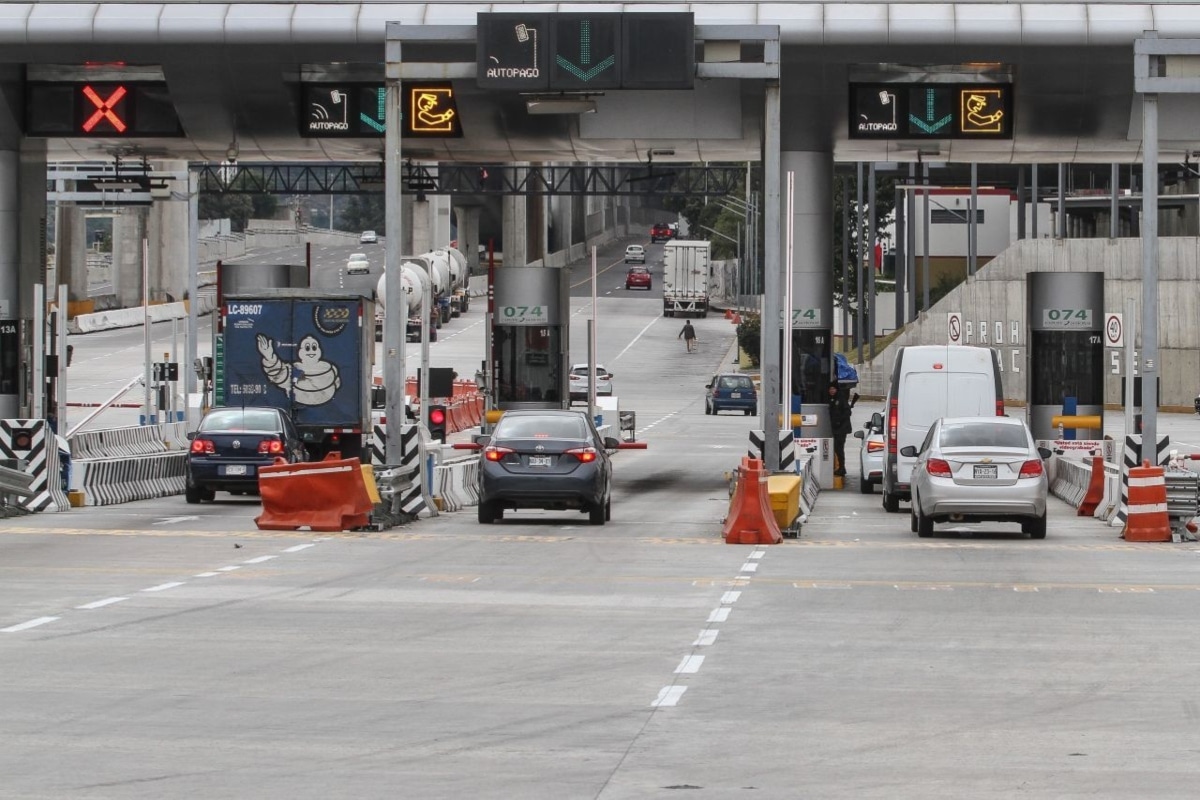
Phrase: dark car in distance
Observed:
(231, 444)
(731, 391)
(546, 459)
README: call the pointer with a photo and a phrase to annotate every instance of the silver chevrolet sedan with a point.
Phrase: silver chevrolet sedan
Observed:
(973, 469)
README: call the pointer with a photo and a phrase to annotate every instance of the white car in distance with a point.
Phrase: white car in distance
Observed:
(357, 264)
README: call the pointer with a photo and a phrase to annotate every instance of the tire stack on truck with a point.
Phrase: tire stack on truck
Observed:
(309, 353)
(686, 278)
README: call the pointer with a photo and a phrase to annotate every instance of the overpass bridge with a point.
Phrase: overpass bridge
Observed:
(774, 82)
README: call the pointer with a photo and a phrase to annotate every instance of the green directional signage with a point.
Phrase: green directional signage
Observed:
(535, 52)
(586, 51)
(931, 111)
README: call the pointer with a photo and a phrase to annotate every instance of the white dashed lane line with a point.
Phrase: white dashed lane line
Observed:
(719, 615)
(162, 587)
(668, 696)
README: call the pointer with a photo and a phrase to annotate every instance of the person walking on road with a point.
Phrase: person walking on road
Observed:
(688, 334)
(839, 421)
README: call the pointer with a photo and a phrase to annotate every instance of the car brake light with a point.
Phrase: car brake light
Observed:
(270, 447)
(494, 453)
(203, 447)
(585, 454)
(938, 468)
(874, 447)
(999, 408)
(893, 421)
(1031, 469)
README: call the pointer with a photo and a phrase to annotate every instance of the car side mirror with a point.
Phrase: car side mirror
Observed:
(908, 450)
(708, 385)
(1045, 452)
(612, 443)
(859, 435)
(191, 435)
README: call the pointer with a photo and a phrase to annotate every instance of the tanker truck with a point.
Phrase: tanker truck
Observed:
(413, 280)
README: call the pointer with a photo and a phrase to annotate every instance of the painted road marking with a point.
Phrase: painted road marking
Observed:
(108, 601)
(730, 597)
(162, 587)
(705, 638)
(298, 548)
(719, 615)
(227, 569)
(757, 554)
(259, 560)
(748, 567)
(206, 575)
(24, 626)
(668, 696)
(689, 665)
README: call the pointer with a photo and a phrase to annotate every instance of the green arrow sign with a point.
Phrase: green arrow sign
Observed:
(930, 124)
(585, 71)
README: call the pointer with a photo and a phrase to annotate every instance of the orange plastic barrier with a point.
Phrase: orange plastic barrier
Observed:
(751, 520)
(1147, 520)
(328, 495)
(1095, 489)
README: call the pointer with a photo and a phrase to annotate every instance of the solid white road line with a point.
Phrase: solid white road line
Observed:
(689, 665)
(634, 341)
(206, 575)
(108, 601)
(719, 615)
(162, 587)
(227, 569)
(668, 696)
(24, 626)
(259, 560)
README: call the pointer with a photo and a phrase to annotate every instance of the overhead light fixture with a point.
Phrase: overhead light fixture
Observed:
(560, 105)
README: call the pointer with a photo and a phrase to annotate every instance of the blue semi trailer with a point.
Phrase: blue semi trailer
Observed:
(308, 353)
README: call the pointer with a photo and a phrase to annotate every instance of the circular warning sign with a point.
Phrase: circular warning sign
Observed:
(954, 328)
(1114, 330)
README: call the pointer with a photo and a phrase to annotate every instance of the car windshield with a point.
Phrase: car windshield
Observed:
(548, 427)
(358, 257)
(983, 434)
(735, 382)
(241, 419)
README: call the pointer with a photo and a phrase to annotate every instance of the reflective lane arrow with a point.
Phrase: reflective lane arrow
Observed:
(929, 124)
(585, 56)
(173, 520)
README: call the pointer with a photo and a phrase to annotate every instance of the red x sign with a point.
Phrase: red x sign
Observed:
(104, 109)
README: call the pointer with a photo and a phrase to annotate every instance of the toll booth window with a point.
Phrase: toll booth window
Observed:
(812, 365)
(528, 368)
(1067, 364)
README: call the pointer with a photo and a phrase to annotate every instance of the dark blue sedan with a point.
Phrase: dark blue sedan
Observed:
(731, 392)
(230, 446)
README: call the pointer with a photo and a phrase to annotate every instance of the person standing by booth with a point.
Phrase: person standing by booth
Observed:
(839, 420)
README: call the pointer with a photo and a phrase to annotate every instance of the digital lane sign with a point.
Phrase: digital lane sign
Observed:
(931, 111)
(100, 109)
(359, 111)
(579, 52)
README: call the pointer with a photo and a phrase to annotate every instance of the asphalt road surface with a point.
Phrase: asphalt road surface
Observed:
(157, 649)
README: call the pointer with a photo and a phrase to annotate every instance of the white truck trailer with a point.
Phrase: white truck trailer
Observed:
(685, 277)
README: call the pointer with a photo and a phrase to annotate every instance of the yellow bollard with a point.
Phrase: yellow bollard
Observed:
(1092, 421)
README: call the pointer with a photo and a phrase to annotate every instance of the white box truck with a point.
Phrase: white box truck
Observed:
(685, 277)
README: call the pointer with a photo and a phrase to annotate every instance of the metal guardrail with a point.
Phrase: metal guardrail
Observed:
(1183, 497)
(14, 483)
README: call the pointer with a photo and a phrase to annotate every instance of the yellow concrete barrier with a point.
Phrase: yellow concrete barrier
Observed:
(784, 493)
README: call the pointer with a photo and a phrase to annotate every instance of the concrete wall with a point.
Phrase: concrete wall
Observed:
(995, 299)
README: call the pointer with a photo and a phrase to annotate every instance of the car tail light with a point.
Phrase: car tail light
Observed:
(203, 447)
(893, 422)
(999, 408)
(495, 453)
(1031, 469)
(270, 447)
(874, 447)
(938, 468)
(586, 455)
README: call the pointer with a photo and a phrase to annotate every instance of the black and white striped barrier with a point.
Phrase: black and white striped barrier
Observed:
(29, 445)
(787, 448)
(399, 484)
(456, 483)
(1132, 457)
(109, 481)
(136, 440)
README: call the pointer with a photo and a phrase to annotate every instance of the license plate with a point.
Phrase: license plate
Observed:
(539, 461)
(985, 472)
(235, 469)
(735, 395)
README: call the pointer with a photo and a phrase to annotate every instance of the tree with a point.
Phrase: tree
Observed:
(362, 212)
(238, 208)
(882, 209)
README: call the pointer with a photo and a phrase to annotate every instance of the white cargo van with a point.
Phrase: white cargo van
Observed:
(929, 382)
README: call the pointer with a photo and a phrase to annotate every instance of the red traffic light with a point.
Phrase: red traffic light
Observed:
(437, 416)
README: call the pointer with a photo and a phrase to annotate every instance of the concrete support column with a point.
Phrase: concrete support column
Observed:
(422, 231)
(129, 228)
(467, 219)
(514, 228)
(167, 231)
(70, 250)
(439, 221)
(812, 220)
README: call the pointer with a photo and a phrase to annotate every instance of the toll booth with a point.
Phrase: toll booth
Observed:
(812, 370)
(530, 338)
(1065, 357)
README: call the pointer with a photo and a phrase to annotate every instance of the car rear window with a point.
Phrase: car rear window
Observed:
(735, 382)
(983, 434)
(241, 420)
(540, 428)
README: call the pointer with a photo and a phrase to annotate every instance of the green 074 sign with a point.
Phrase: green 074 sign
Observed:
(1067, 318)
(521, 315)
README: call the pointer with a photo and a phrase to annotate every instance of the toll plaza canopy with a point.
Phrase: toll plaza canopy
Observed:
(235, 77)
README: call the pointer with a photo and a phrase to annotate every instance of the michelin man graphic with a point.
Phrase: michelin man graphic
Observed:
(313, 381)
